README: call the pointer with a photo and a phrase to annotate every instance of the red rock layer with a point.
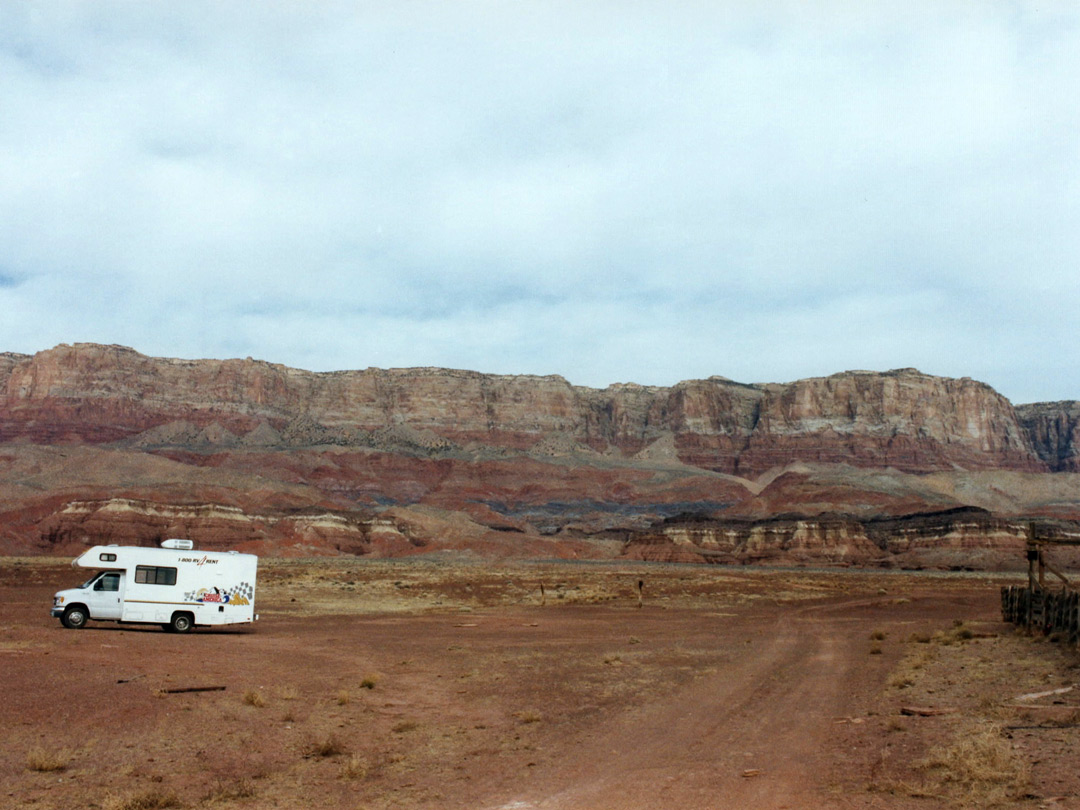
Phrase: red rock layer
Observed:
(901, 419)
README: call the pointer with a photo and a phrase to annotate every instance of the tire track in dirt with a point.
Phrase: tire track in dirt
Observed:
(755, 735)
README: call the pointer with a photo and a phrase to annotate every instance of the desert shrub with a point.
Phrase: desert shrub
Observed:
(153, 799)
(877, 635)
(38, 759)
(406, 725)
(901, 680)
(529, 716)
(253, 697)
(875, 649)
(355, 767)
(980, 768)
(343, 697)
(329, 746)
(228, 790)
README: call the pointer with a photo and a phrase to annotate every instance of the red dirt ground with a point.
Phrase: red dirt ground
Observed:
(415, 685)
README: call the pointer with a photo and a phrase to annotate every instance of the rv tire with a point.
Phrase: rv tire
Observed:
(74, 617)
(181, 622)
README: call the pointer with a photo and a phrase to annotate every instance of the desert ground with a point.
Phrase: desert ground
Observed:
(425, 684)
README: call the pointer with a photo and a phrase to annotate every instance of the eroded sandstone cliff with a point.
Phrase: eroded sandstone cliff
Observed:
(1054, 430)
(901, 419)
(103, 444)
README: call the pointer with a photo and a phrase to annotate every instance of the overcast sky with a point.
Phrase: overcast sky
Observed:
(613, 192)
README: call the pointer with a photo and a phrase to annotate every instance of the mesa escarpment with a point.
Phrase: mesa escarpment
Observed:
(1054, 430)
(306, 462)
(902, 419)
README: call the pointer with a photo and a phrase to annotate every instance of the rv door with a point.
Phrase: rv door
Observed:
(107, 596)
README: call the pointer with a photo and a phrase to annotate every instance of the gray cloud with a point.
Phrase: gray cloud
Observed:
(612, 192)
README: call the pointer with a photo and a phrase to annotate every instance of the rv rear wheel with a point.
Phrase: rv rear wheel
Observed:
(181, 622)
(74, 617)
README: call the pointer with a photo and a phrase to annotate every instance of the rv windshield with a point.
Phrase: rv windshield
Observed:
(89, 582)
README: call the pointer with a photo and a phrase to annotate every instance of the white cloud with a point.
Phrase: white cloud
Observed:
(608, 191)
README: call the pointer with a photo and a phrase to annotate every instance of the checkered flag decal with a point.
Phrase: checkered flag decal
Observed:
(244, 589)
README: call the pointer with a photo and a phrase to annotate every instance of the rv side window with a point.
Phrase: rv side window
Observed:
(108, 582)
(107, 557)
(155, 575)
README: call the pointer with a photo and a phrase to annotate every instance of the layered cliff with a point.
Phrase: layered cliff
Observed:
(901, 419)
(1054, 430)
(103, 444)
(963, 538)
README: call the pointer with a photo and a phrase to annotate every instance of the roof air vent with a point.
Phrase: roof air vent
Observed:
(179, 545)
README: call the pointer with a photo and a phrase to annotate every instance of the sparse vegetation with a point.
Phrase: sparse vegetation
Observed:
(253, 697)
(901, 680)
(979, 769)
(153, 799)
(45, 761)
(355, 767)
(329, 746)
(521, 692)
(225, 790)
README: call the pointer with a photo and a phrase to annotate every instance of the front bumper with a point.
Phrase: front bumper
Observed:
(57, 612)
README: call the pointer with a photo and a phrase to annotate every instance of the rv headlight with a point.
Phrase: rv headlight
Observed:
(58, 600)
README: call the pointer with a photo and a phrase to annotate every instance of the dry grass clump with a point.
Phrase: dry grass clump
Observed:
(343, 697)
(253, 697)
(877, 635)
(980, 769)
(39, 759)
(369, 682)
(958, 633)
(904, 675)
(153, 799)
(529, 716)
(355, 767)
(227, 791)
(901, 680)
(405, 725)
(329, 746)
(288, 692)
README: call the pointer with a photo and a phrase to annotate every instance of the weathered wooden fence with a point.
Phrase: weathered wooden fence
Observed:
(1043, 610)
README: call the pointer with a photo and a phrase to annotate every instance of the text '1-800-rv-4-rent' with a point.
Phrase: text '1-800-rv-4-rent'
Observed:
(173, 586)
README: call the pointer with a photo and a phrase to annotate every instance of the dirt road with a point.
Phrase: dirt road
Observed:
(726, 690)
(760, 732)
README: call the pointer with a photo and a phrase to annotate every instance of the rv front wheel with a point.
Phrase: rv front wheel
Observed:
(74, 617)
(181, 622)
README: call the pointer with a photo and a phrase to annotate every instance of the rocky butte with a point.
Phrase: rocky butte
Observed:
(103, 444)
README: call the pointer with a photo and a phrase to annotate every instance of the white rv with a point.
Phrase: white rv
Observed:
(172, 586)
